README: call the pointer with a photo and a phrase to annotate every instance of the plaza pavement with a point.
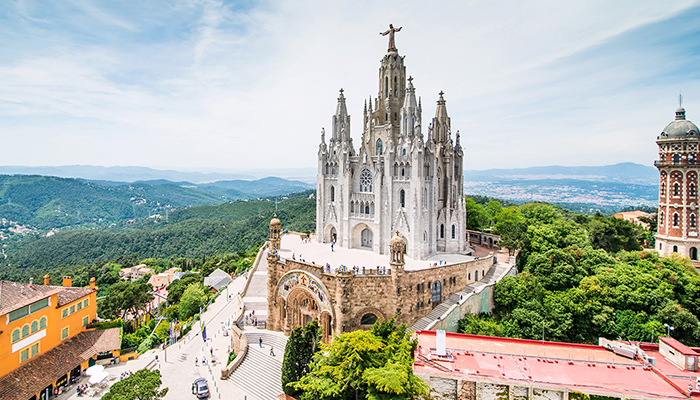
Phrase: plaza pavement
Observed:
(320, 254)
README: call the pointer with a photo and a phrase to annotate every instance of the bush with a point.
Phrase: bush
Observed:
(231, 357)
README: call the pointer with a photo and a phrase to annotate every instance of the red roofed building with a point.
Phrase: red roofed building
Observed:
(469, 367)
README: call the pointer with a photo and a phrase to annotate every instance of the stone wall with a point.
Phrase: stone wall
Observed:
(406, 293)
(455, 388)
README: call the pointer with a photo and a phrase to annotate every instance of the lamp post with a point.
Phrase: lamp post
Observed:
(669, 328)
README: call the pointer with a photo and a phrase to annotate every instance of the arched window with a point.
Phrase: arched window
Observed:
(691, 189)
(396, 87)
(469, 277)
(676, 189)
(367, 210)
(692, 220)
(380, 147)
(402, 197)
(663, 188)
(42, 323)
(332, 193)
(693, 254)
(404, 151)
(365, 181)
(442, 231)
(403, 172)
(675, 249)
(453, 232)
(15, 335)
(386, 86)
(437, 292)
(25, 331)
(675, 219)
(676, 159)
(368, 319)
(35, 326)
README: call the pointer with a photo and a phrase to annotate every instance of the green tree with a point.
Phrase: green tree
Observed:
(192, 300)
(511, 226)
(298, 355)
(476, 216)
(142, 385)
(125, 298)
(375, 364)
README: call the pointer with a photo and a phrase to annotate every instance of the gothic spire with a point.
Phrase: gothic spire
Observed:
(441, 122)
(341, 110)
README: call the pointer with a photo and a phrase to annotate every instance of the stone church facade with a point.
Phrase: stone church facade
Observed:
(679, 169)
(397, 179)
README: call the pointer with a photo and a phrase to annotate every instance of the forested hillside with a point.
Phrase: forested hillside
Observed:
(193, 233)
(46, 202)
(584, 277)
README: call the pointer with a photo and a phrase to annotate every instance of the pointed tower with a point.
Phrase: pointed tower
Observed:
(410, 113)
(441, 122)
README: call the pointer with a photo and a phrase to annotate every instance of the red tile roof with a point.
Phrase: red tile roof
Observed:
(35, 375)
(584, 368)
(14, 295)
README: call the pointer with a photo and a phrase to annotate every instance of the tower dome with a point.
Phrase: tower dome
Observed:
(680, 127)
(275, 222)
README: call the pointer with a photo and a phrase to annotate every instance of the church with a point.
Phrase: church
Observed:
(397, 180)
(391, 225)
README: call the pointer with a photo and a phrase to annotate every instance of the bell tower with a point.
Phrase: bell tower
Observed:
(679, 145)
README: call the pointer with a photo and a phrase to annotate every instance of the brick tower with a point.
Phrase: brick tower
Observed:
(678, 188)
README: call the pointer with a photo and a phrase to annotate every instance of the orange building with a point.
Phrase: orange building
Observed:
(44, 337)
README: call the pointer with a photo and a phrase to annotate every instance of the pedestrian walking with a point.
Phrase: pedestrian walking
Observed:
(211, 351)
(260, 342)
(272, 351)
(196, 361)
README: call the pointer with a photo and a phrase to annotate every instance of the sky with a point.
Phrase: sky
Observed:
(227, 86)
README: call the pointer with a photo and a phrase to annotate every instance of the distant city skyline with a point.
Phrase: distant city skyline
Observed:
(210, 85)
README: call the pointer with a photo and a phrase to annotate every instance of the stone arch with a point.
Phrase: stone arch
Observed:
(363, 314)
(330, 234)
(362, 236)
(693, 253)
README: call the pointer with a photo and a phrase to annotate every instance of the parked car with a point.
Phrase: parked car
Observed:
(200, 388)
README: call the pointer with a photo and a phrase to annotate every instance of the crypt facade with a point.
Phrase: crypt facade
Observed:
(397, 179)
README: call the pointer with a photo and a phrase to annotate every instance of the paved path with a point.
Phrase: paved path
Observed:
(179, 370)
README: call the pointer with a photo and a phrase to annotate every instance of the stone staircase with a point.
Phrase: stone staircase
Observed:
(255, 297)
(439, 310)
(260, 374)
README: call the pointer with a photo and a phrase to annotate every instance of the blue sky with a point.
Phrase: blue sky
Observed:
(211, 85)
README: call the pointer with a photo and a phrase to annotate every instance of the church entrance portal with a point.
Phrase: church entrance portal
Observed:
(334, 235)
(367, 237)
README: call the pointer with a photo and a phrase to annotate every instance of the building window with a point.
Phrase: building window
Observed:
(23, 355)
(25, 331)
(85, 303)
(663, 188)
(675, 249)
(691, 189)
(368, 319)
(72, 309)
(442, 231)
(386, 86)
(660, 246)
(692, 220)
(79, 305)
(675, 219)
(402, 197)
(454, 233)
(437, 292)
(676, 189)
(35, 326)
(34, 350)
(15, 335)
(365, 181)
(64, 333)
(64, 313)
(380, 147)
(396, 89)
(469, 277)
(693, 254)
(85, 321)
(332, 193)
(404, 151)
(42, 323)
(676, 159)
(661, 218)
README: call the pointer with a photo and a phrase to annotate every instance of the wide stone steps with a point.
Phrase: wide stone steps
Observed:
(259, 375)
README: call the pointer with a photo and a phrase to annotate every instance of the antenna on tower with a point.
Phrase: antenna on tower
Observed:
(680, 99)
(276, 200)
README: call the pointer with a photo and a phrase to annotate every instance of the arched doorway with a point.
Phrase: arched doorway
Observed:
(367, 237)
(331, 234)
(300, 308)
(693, 254)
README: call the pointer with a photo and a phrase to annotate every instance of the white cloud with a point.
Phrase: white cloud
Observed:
(207, 84)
